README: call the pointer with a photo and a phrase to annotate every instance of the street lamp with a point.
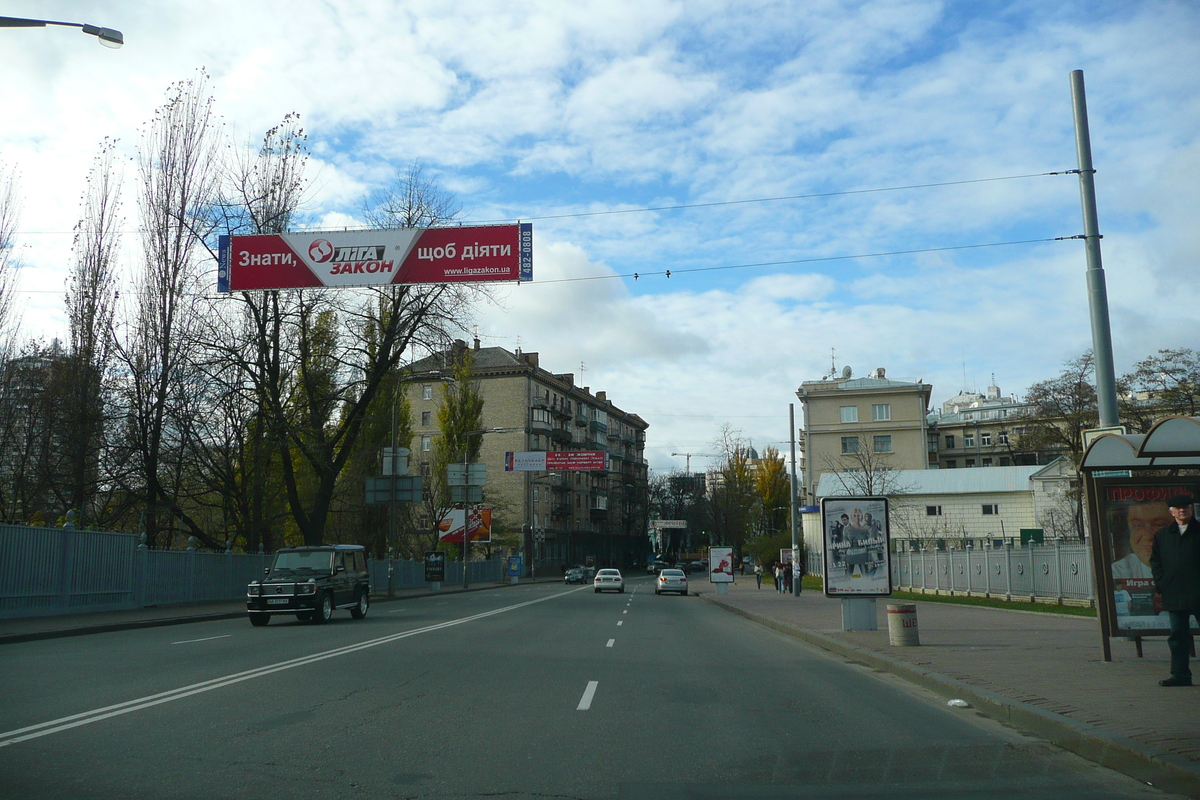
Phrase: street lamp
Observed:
(107, 36)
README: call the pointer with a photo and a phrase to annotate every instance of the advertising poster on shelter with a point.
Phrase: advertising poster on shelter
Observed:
(856, 536)
(1131, 513)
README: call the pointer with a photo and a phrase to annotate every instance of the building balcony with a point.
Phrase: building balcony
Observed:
(560, 510)
(540, 426)
(598, 427)
(540, 402)
(581, 420)
(598, 513)
(562, 411)
(561, 435)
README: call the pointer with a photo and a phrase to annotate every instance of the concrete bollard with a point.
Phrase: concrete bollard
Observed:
(902, 625)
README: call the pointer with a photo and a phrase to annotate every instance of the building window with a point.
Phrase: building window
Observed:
(426, 468)
(968, 440)
(970, 462)
(426, 444)
(952, 464)
(426, 419)
(849, 445)
(535, 495)
(881, 412)
(985, 439)
(883, 444)
(1002, 437)
(849, 413)
(933, 511)
(987, 462)
(1005, 461)
(949, 441)
(990, 509)
(427, 392)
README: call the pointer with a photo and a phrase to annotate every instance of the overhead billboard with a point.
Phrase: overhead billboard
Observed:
(561, 460)
(464, 254)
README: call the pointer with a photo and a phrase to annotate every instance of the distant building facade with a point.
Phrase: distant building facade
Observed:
(979, 430)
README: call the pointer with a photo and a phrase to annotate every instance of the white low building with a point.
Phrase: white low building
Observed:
(954, 508)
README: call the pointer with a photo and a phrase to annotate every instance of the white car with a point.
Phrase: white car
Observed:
(671, 580)
(609, 580)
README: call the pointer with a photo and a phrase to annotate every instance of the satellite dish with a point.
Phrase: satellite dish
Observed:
(847, 372)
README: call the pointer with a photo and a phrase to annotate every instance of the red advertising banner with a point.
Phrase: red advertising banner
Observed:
(466, 254)
(450, 528)
(561, 460)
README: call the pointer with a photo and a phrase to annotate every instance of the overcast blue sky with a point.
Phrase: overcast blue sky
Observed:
(531, 110)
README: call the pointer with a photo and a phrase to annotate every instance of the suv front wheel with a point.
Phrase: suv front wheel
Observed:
(324, 610)
(360, 608)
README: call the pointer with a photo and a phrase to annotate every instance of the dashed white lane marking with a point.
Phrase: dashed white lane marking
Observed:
(397, 611)
(611, 642)
(624, 612)
(585, 702)
(620, 622)
(205, 639)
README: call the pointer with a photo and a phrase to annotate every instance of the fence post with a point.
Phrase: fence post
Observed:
(191, 568)
(1058, 569)
(1008, 592)
(65, 567)
(987, 571)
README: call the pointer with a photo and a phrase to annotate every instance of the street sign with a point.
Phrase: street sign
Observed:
(466, 474)
(394, 488)
(466, 494)
(395, 460)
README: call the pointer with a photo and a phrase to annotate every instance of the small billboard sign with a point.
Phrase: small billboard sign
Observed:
(435, 566)
(450, 529)
(720, 564)
(857, 549)
(465, 254)
(556, 460)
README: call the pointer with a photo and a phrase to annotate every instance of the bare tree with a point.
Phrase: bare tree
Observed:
(90, 301)
(10, 214)
(413, 201)
(176, 163)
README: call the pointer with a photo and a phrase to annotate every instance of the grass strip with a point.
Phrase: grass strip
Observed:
(814, 582)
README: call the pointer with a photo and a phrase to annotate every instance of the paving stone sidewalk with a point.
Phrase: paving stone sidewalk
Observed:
(1049, 661)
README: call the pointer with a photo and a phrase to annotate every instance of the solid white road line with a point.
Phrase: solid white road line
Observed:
(97, 714)
(610, 642)
(205, 639)
(585, 702)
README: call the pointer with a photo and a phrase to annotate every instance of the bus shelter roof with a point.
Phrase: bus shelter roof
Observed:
(1172, 442)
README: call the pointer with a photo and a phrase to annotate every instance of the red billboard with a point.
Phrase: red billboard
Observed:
(466, 254)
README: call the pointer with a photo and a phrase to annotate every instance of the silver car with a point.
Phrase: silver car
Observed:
(671, 580)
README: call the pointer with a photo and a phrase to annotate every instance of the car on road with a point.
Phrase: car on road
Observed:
(671, 580)
(575, 575)
(609, 580)
(654, 567)
(311, 582)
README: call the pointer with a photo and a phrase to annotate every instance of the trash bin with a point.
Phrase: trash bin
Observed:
(902, 625)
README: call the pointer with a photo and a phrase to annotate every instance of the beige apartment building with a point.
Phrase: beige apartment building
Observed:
(562, 517)
(862, 424)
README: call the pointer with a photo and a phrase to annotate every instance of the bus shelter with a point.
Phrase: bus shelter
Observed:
(1127, 480)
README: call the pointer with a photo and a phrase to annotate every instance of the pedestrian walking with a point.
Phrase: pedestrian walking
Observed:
(758, 575)
(787, 578)
(778, 577)
(1175, 562)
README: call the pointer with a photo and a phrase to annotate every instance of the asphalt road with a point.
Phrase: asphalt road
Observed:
(524, 692)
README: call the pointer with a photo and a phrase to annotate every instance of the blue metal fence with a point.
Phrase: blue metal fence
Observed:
(45, 571)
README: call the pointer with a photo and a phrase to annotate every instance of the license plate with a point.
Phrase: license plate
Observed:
(277, 601)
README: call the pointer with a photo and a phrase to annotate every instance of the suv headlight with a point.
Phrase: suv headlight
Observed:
(307, 588)
(254, 589)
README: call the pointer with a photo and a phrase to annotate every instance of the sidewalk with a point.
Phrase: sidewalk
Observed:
(26, 629)
(1039, 672)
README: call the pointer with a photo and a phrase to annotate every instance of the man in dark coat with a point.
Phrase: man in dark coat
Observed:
(1175, 562)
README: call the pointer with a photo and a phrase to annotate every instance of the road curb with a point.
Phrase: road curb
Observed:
(110, 627)
(1166, 771)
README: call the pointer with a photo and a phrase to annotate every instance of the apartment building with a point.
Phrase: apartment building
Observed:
(978, 430)
(562, 517)
(857, 424)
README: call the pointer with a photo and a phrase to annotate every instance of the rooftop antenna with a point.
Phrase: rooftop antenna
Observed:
(832, 362)
(582, 369)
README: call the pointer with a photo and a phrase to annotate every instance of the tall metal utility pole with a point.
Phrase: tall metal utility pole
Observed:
(1106, 381)
(797, 573)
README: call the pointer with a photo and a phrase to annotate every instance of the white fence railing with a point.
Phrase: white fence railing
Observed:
(1053, 571)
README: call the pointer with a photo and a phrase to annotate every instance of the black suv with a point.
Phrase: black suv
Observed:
(311, 582)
